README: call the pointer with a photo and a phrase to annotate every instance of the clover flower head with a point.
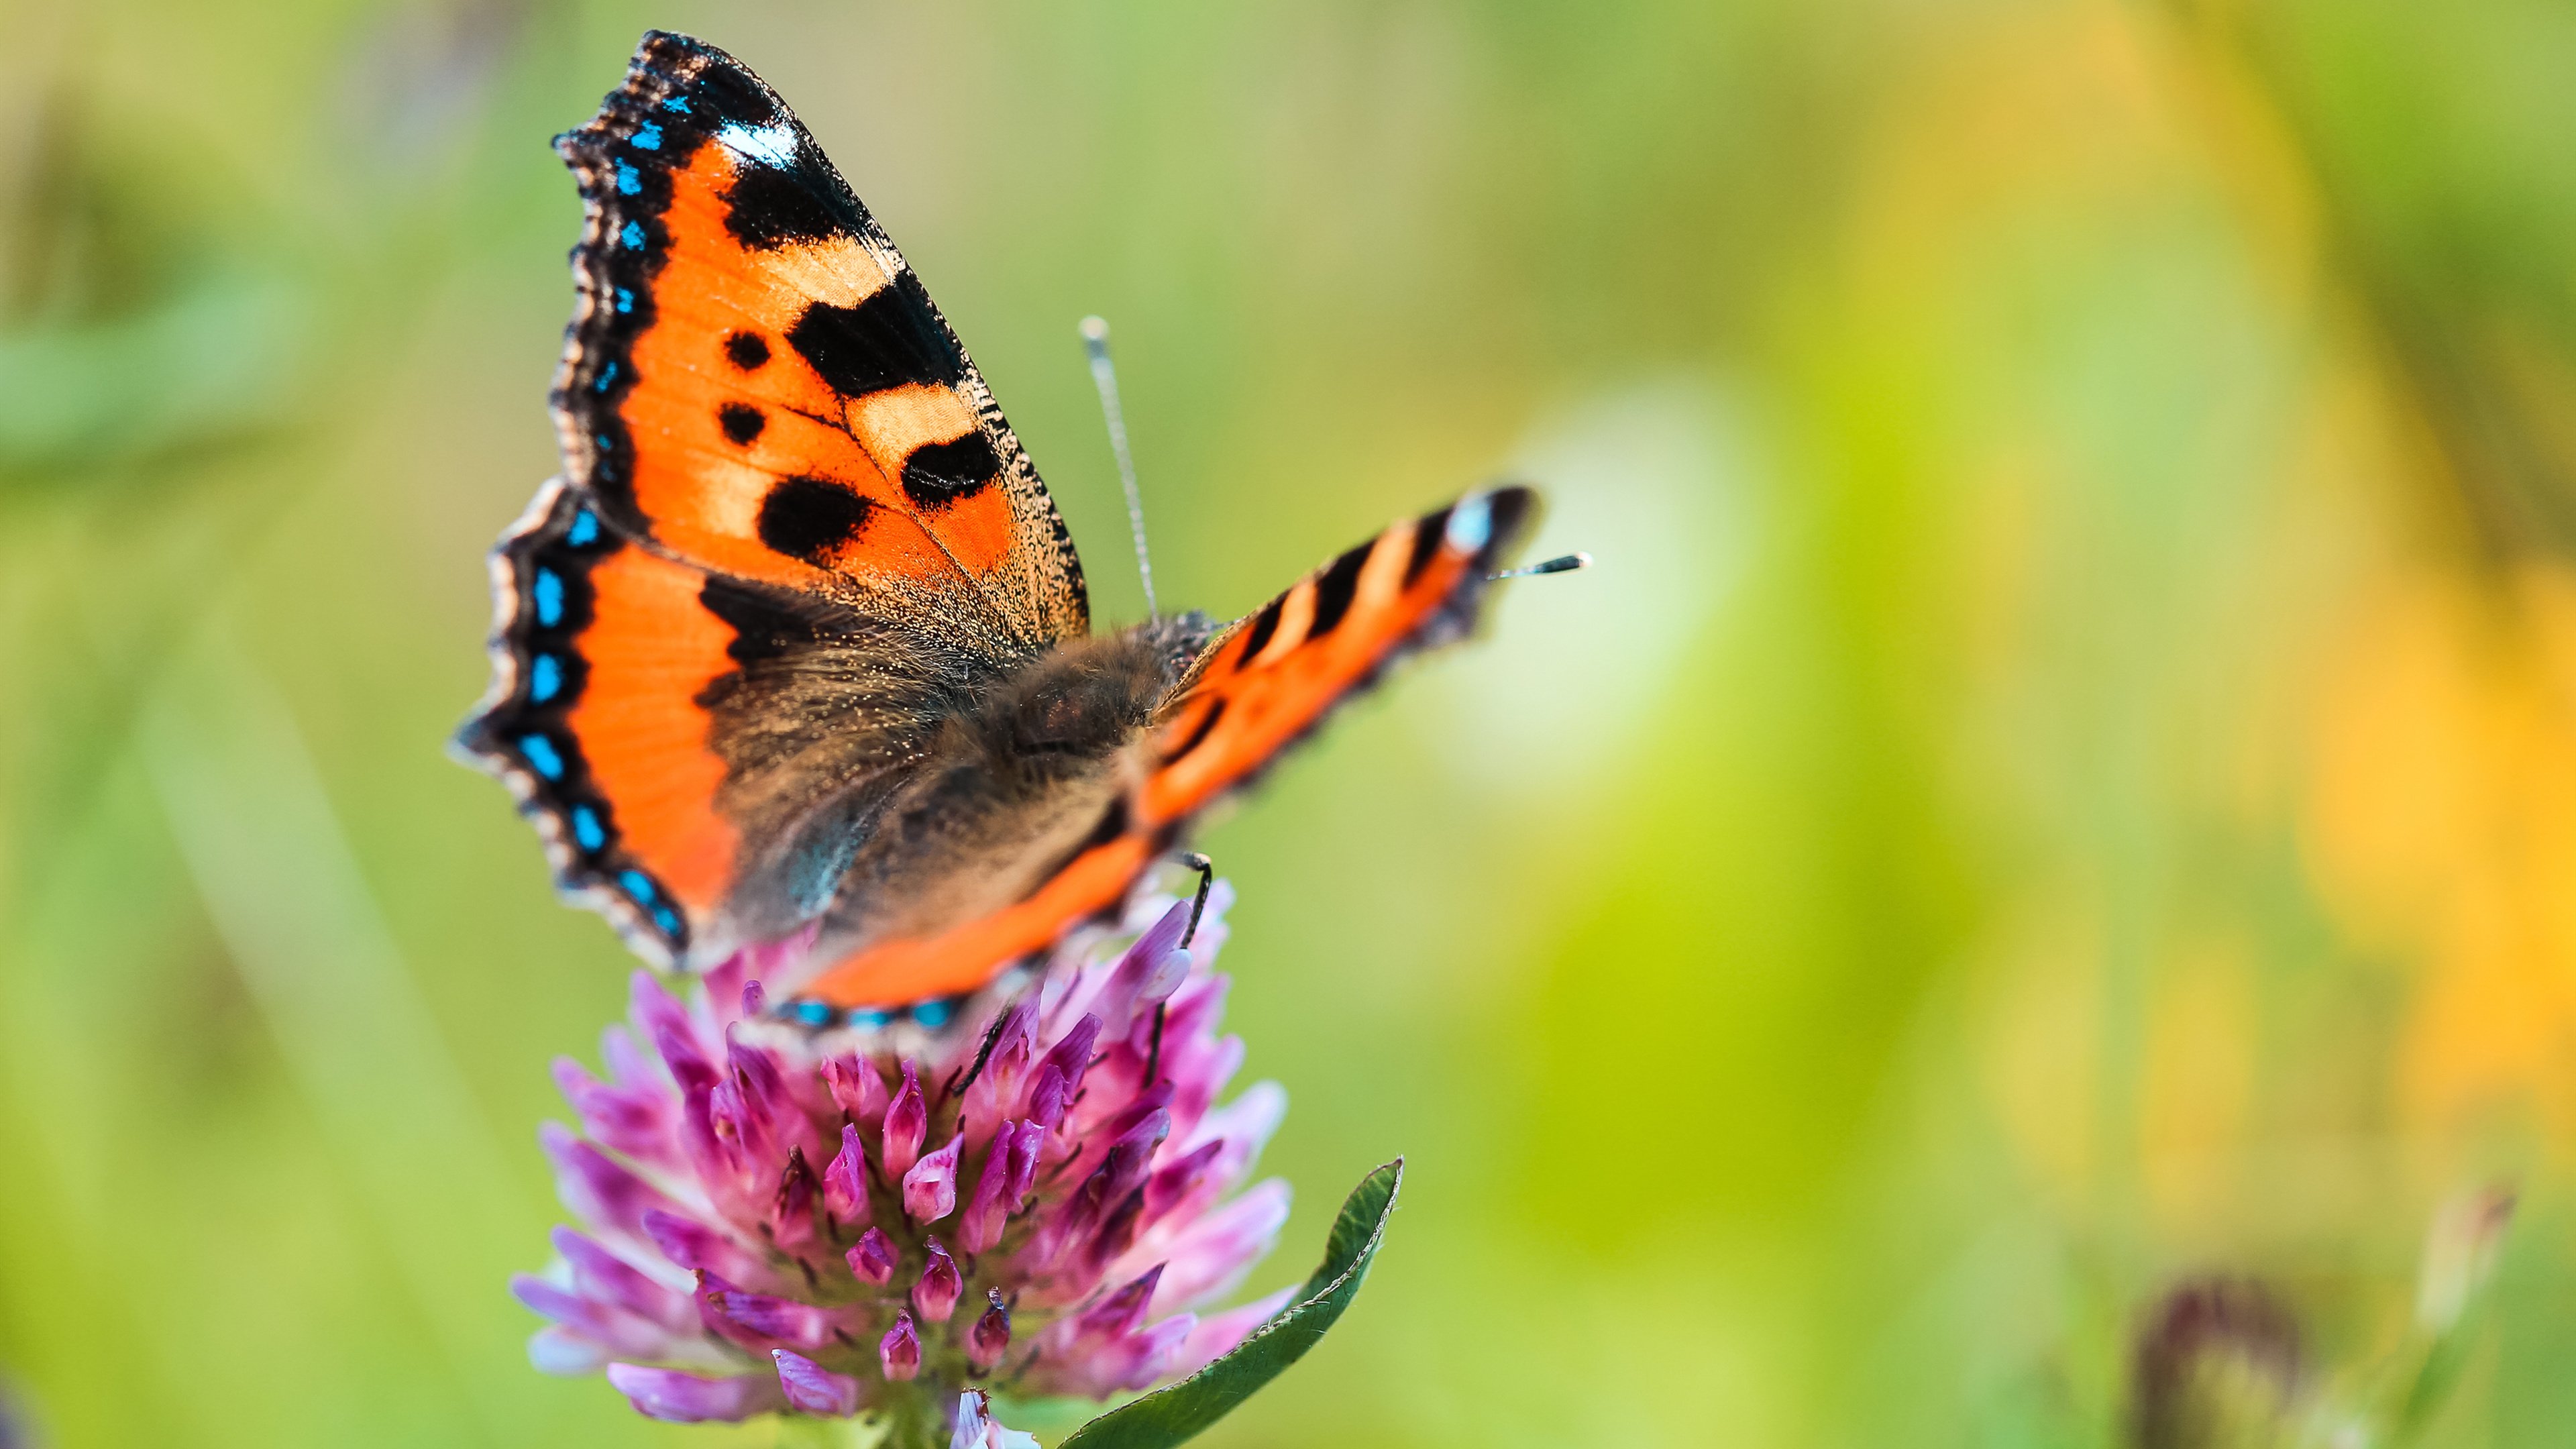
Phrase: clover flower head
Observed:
(1037, 1202)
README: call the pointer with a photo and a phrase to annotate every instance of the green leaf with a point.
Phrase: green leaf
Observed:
(1171, 1415)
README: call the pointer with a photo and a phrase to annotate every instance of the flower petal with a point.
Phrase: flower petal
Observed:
(628, 1067)
(1198, 1068)
(1207, 1257)
(744, 1141)
(563, 1352)
(990, 1338)
(1059, 1076)
(791, 1208)
(1122, 994)
(1148, 1354)
(597, 1189)
(636, 1121)
(930, 1188)
(871, 1258)
(935, 1296)
(1014, 1044)
(987, 1210)
(1025, 1151)
(1167, 975)
(1249, 1119)
(1218, 1157)
(764, 1084)
(899, 1352)
(766, 1316)
(907, 1121)
(845, 1181)
(700, 1248)
(1216, 1335)
(857, 1089)
(601, 1274)
(1100, 1215)
(679, 1398)
(813, 1389)
(1113, 1317)
(613, 1329)
(720, 996)
(1108, 1346)
(666, 1024)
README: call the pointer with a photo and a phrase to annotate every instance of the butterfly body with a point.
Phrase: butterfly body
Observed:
(1012, 785)
(799, 647)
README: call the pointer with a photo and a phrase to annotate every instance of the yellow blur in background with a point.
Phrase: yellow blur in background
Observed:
(2062, 781)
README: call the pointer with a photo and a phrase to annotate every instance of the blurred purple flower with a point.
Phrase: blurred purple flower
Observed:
(772, 1224)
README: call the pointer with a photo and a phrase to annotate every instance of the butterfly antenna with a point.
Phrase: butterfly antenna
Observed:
(1104, 376)
(1562, 564)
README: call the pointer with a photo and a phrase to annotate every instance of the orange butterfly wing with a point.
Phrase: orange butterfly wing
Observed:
(756, 382)
(598, 649)
(772, 441)
(1273, 677)
(1262, 685)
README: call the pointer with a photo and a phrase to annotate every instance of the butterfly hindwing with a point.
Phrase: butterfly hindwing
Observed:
(688, 744)
(1259, 687)
(756, 382)
(598, 649)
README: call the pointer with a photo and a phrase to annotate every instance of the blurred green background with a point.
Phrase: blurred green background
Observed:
(2063, 779)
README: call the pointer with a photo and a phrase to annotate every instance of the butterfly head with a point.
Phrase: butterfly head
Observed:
(1087, 698)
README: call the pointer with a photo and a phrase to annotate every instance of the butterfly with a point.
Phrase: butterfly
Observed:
(797, 646)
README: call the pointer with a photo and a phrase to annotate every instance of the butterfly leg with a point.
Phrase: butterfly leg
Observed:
(1206, 868)
(1154, 1057)
(1192, 860)
(992, 1034)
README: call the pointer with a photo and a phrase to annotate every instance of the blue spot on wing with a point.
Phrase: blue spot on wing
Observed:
(632, 236)
(585, 527)
(587, 829)
(648, 137)
(677, 103)
(638, 884)
(545, 676)
(625, 300)
(548, 595)
(628, 182)
(663, 917)
(607, 375)
(541, 756)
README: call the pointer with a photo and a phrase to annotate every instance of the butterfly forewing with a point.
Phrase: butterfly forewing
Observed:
(756, 382)
(1275, 675)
